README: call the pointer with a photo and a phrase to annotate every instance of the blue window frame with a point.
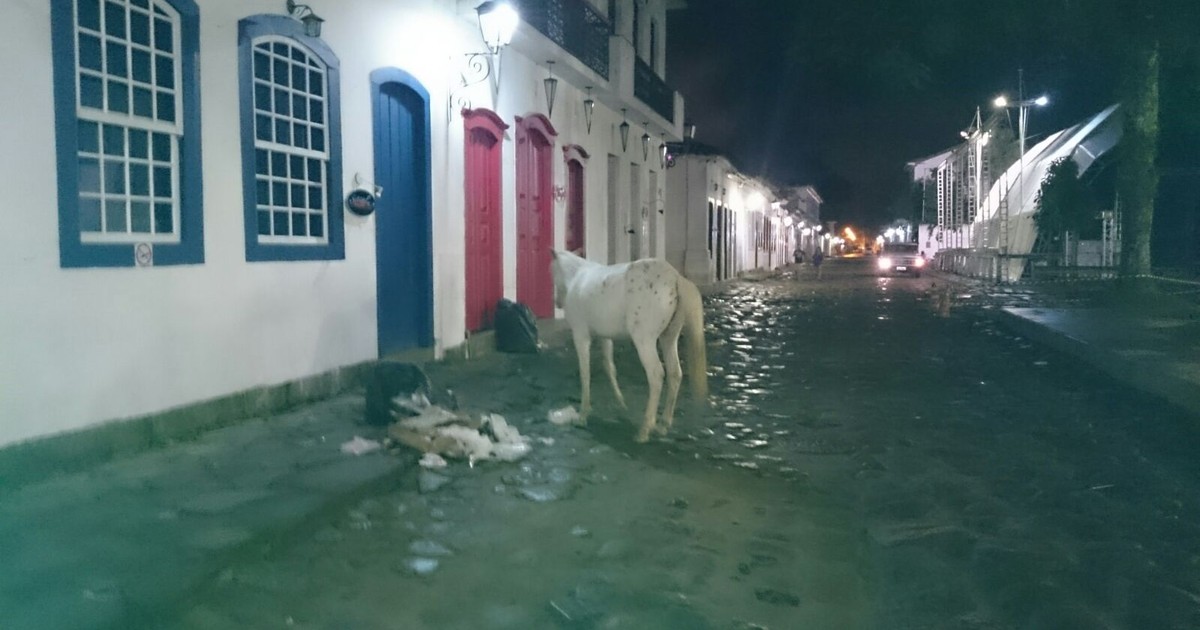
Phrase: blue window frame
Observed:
(291, 142)
(127, 123)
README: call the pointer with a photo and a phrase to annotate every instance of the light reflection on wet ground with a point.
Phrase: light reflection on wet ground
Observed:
(977, 462)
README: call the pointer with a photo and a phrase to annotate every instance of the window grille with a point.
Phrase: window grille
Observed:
(291, 149)
(129, 125)
(291, 144)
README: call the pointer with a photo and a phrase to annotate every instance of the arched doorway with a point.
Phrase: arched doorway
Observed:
(403, 217)
(484, 133)
(535, 213)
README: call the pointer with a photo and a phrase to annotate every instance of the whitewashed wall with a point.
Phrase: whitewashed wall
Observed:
(80, 347)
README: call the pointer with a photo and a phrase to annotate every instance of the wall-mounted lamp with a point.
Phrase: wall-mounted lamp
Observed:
(551, 89)
(689, 130)
(662, 155)
(310, 20)
(497, 22)
(624, 128)
(645, 142)
(588, 106)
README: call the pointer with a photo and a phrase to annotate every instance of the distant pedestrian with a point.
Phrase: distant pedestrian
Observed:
(817, 259)
(798, 256)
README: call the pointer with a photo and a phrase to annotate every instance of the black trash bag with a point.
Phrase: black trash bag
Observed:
(516, 327)
(385, 381)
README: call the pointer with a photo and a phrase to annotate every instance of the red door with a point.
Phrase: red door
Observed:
(484, 253)
(535, 214)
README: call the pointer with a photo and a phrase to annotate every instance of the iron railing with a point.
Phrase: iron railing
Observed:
(653, 91)
(575, 26)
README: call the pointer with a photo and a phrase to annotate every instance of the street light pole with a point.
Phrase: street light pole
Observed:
(1022, 105)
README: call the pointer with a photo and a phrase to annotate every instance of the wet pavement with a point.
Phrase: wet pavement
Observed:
(865, 461)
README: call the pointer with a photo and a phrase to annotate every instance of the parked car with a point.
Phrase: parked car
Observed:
(900, 258)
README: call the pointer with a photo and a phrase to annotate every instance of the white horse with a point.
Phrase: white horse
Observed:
(646, 301)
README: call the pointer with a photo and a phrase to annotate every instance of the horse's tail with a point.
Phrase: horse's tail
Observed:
(691, 308)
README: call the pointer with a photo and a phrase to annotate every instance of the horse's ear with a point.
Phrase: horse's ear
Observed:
(554, 253)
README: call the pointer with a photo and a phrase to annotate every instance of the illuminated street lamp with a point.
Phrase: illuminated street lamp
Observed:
(1023, 108)
(497, 23)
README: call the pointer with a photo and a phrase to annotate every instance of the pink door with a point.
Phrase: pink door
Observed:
(484, 254)
(535, 214)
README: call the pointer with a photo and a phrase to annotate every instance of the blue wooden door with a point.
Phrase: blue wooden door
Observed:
(403, 225)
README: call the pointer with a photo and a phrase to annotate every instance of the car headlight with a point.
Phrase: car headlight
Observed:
(885, 263)
(920, 262)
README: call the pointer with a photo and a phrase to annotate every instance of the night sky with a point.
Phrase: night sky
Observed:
(842, 93)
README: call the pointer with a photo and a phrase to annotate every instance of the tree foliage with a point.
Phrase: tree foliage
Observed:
(1064, 203)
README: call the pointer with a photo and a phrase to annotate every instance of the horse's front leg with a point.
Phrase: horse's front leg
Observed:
(606, 349)
(583, 349)
(648, 352)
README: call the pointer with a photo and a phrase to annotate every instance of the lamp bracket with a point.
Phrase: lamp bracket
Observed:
(475, 70)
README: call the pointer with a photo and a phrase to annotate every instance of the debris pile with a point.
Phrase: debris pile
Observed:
(440, 433)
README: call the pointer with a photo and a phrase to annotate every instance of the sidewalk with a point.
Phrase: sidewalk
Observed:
(1150, 342)
(115, 546)
(120, 544)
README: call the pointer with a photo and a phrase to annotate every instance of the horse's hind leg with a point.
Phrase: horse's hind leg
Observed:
(669, 343)
(606, 349)
(583, 349)
(654, 376)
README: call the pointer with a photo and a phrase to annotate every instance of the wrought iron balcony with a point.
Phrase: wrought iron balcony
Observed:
(653, 91)
(575, 26)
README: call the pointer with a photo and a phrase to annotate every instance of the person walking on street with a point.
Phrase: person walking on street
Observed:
(817, 259)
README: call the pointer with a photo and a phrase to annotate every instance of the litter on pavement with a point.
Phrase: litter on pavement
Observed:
(565, 415)
(359, 445)
(441, 433)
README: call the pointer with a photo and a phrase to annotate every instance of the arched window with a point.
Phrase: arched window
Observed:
(291, 142)
(127, 119)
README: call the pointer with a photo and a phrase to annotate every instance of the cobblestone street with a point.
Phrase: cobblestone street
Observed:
(863, 463)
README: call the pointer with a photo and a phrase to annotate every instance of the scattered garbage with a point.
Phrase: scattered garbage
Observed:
(439, 433)
(540, 494)
(432, 460)
(359, 445)
(563, 416)
(422, 566)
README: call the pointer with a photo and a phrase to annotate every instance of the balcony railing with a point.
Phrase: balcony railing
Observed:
(575, 26)
(653, 91)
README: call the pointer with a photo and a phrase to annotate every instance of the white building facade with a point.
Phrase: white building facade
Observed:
(230, 202)
(720, 222)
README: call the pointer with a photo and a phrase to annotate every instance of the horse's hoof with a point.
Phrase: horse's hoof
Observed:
(659, 430)
(642, 437)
